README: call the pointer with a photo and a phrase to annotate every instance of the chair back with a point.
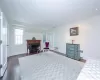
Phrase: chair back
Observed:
(47, 44)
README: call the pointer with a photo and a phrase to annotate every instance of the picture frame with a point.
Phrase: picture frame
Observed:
(74, 31)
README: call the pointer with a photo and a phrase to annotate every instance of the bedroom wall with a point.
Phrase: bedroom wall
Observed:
(88, 38)
(20, 49)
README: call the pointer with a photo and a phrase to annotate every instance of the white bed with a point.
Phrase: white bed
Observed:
(49, 66)
(91, 70)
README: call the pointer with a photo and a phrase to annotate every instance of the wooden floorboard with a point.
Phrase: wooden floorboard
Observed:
(13, 72)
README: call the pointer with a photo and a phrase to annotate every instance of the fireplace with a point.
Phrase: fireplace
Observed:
(33, 46)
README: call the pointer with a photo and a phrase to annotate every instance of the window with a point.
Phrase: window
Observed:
(18, 36)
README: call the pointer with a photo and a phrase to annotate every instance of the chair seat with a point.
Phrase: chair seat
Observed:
(46, 48)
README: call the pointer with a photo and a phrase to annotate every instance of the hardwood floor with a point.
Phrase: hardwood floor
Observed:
(13, 72)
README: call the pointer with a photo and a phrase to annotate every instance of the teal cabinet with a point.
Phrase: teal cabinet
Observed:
(73, 51)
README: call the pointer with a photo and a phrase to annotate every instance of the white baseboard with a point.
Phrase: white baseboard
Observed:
(3, 69)
(15, 54)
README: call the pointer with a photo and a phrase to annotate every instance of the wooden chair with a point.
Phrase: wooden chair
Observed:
(46, 46)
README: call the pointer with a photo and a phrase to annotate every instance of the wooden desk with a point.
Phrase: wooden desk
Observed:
(29, 42)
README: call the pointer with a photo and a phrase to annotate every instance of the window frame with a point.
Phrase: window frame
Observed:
(16, 41)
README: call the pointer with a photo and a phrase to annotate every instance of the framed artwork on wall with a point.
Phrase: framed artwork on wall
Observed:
(74, 31)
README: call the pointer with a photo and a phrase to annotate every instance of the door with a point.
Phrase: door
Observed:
(3, 46)
(50, 39)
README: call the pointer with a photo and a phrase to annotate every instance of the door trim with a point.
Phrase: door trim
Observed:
(3, 69)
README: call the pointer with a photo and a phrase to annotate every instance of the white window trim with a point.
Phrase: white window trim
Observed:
(21, 42)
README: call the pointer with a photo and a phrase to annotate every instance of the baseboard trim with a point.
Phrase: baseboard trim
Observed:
(3, 71)
(58, 53)
(16, 55)
(81, 60)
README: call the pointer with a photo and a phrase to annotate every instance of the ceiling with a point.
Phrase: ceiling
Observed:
(46, 14)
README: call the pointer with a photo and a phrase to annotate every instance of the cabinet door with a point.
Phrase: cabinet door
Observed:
(71, 54)
(70, 50)
(77, 56)
(77, 53)
(76, 47)
(3, 46)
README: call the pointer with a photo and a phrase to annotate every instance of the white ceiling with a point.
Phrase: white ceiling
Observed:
(45, 14)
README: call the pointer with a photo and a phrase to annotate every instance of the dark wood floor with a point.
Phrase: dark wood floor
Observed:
(13, 72)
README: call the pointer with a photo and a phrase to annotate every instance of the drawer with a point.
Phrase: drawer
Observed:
(77, 52)
(77, 56)
(71, 56)
(77, 47)
(70, 45)
(71, 52)
(70, 48)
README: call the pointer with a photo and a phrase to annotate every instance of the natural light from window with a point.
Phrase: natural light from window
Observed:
(18, 36)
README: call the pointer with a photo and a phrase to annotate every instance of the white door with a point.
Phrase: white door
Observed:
(50, 39)
(3, 46)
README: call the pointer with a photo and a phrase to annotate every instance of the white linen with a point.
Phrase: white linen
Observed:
(91, 71)
(49, 66)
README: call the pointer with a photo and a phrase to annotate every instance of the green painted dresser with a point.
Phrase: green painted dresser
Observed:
(73, 51)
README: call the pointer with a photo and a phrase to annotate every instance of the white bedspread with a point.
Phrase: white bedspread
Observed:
(49, 66)
(91, 70)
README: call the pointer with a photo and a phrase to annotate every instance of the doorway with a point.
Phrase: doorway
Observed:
(50, 39)
(3, 45)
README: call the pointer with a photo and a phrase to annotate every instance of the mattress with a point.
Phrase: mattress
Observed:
(49, 66)
(91, 71)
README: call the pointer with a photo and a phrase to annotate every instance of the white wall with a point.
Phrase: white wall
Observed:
(88, 38)
(20, 49)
